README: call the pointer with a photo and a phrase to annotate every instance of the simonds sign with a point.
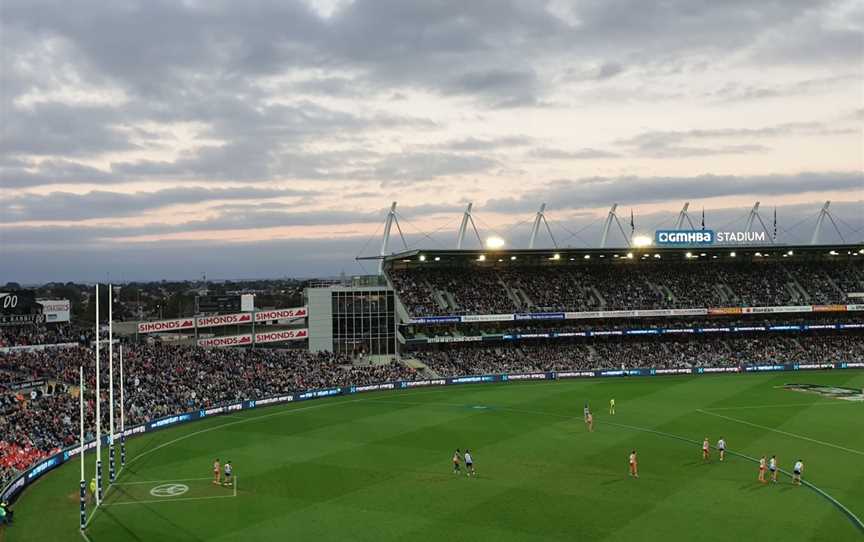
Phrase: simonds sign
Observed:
(684, 237)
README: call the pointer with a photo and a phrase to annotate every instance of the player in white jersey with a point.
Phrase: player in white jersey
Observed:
(721, 447)
(229, 470)
(469, 464)
(772, 467)
(585, 412)
(797, 470)
(612, 406)
(706, 450)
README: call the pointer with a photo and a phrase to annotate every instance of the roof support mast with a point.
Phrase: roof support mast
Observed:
(467, 218)
(535, 229)
(754, 215)
(605, 234)
(682, 216)
(463, 226)
(608, 223)
(823, 213)
(388, 226)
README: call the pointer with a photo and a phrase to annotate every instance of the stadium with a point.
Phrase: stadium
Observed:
(389, 270)
(351, 405)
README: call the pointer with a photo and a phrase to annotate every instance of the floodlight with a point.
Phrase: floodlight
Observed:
(494, 243)
(642, 241)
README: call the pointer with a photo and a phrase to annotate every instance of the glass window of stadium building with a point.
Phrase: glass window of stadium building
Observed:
(351, 320)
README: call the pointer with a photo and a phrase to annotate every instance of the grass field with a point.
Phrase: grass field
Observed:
(377, 467)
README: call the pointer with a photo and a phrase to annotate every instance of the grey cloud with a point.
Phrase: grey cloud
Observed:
(679, 144)
(608, 70)
(21, 174)
(409, 167)
(487, 144)
(52, 129)
(736, 91)
(500, 87)
(62, 206)
(579, 154)
(239, 217)
(602, 191)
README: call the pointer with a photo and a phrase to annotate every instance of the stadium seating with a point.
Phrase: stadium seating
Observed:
(614, 354)
(434, 290)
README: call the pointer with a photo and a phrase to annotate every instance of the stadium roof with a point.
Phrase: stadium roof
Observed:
(551, 256)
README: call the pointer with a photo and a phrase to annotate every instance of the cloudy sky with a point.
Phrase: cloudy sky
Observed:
(162, 139)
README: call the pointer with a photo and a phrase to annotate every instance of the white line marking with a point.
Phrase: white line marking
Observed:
(160, 481)
(84, 535)
(244, 420)
(170, 500)
(235, 486)
(793, 435)
(789, 405)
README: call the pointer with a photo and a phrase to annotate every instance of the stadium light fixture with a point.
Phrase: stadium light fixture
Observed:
(512, 258)
(481, 258)
(422, 258)
(657, 256)
(759, 254)
(688, 255)
(500, 259)
(494, 243)
(732, 254)
(629, 255)
(790, 253)
(588, 256)
(437, 258)
(641, 241)
(861, 251)
(702, 254)
(556, 256)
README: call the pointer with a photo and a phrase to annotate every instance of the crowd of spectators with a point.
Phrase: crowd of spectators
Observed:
(587, 355)
(27, 335)
(622, 286)
(159, 380)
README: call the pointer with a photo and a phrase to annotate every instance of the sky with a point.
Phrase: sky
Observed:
(148, 140)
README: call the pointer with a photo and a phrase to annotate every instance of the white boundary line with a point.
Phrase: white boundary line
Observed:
(789, 405)
(852, 517)
(151, 501)
(229, 424)
(793, 435)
